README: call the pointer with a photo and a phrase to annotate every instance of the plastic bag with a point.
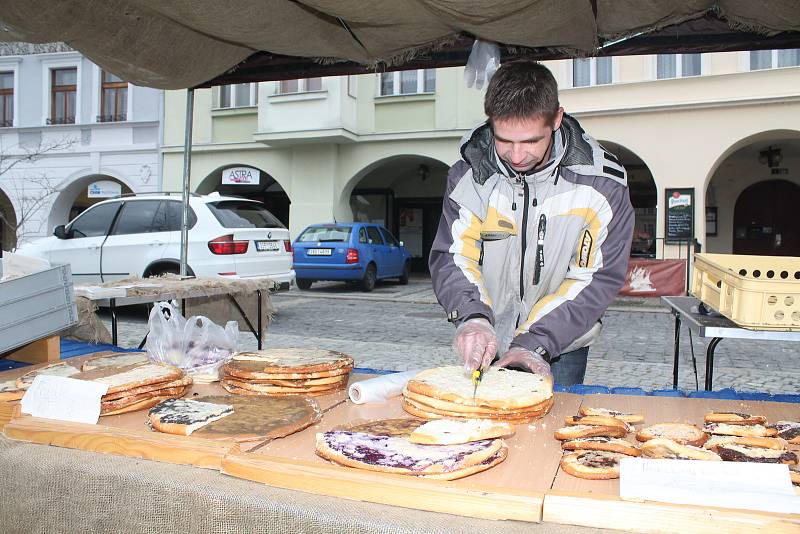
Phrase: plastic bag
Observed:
(197, 345)
(483, 61)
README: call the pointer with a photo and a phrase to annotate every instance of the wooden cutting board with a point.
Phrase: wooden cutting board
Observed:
(259, 418)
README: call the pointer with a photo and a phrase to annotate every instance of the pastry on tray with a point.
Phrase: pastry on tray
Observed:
(601, 443)
(588, 431)
(599, 420)
(788, 430)
(592, 465)
(682, 433)
(726, 429)
(668, 449)
(456, 431)
(631, 418)
(392, 454)
(733, 418)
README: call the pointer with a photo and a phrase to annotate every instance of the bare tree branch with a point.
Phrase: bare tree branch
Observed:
(30, 191)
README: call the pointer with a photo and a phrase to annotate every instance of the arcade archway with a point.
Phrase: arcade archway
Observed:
(81, 193)
(644, 197)
(8, 223)
(404, 193)
(249, 182)
(753, 196)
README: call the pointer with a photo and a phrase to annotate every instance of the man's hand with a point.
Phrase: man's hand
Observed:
(522, 357)
(476, 343)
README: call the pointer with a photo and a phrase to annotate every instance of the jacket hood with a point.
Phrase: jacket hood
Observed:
(582, 154)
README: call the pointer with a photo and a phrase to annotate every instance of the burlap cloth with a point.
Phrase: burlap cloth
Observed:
(50, 490)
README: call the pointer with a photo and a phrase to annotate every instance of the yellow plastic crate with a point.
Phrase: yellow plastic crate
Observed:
(757, 292)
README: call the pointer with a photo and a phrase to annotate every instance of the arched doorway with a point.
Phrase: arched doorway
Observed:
(81, 193)
(248, 182)
(644, 197)
(750, 195)
(404, 193)
(765, 219)
(8, 223)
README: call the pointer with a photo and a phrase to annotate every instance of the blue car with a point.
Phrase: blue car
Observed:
(360, 253)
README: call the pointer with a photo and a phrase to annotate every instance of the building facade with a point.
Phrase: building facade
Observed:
(70, 135)
(711, 143)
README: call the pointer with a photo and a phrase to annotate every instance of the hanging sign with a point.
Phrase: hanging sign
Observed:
(241, 176)
(679, 225)
(104, 189)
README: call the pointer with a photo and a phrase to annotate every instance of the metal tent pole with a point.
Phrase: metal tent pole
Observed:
(187, 164)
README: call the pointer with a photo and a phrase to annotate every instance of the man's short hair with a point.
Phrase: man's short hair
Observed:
(522, 89)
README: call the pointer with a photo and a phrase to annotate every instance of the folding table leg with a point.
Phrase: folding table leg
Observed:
(677, 350)
(710, 361)
(112, 308)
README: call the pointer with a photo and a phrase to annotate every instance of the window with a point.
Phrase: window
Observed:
(305, 85)
(389, 238)
(374, 236)
(768, 59)
(6, 99)
(240, 95)
(63, 86)
(408, 82)
(113, 99)
(95, 221)
(326, 234)
(174, 216)
(137, 217)
(243, 214)
(591, 71)
(362, 236)
(678, 65)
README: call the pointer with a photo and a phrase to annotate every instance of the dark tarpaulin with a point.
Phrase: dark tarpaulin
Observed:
(172, 44)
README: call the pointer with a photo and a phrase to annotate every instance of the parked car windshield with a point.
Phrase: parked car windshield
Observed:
(243, 214)
(325, 233)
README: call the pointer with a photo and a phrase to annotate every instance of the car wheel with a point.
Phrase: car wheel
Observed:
(160, 271)
(304, 283)
(370, 277)
(406, 273)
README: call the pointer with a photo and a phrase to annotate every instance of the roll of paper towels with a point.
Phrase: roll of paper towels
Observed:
(381, 388)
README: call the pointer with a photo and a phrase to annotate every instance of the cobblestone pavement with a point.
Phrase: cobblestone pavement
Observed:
(402, 327)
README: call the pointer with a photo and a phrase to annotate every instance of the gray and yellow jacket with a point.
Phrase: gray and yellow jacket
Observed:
(540, 255)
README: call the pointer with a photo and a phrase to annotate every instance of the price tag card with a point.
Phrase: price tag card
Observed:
(64, 399)
(749, 486)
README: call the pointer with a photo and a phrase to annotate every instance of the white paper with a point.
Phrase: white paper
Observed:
(65, 399)
(97, 292)
(381, 388)
(750, 486)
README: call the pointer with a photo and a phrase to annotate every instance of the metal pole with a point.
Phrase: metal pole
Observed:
(187, 164)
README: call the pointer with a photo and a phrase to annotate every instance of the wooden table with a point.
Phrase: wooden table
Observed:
(528, 487)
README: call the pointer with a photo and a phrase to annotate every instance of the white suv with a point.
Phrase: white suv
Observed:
(141, 235)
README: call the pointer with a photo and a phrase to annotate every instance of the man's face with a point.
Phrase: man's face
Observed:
(524, 143)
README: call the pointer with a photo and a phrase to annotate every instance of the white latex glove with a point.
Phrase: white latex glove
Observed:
(522, 357)
(483, 61)
(476, 343)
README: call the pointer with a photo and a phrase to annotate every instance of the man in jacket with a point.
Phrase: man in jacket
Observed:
(535, 234)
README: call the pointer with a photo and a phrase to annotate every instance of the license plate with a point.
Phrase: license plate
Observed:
(267, 246)
(319, 252)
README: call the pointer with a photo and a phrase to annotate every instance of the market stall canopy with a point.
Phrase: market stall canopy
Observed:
(173, 44)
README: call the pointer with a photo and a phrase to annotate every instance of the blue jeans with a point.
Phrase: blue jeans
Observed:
(569, 368)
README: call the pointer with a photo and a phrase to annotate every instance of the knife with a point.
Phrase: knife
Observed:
(477, 375)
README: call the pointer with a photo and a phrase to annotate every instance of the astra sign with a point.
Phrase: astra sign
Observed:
(241, 176)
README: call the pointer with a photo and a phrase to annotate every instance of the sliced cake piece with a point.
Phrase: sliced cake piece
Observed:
(454, 432)
(184, 416)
